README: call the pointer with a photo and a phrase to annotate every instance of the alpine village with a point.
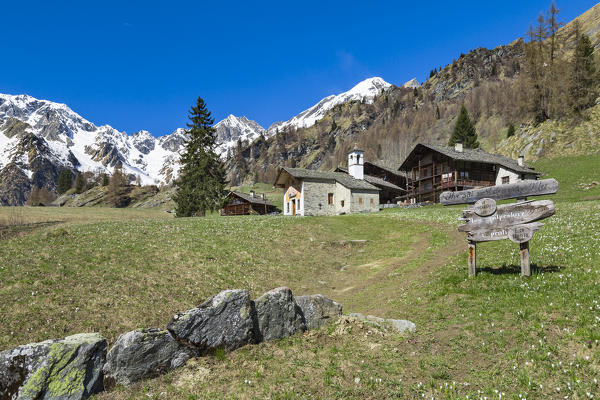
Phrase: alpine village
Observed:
(435, 240)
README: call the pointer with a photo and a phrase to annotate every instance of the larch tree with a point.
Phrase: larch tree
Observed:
(464, 131)
(583, 80)
(201, 183)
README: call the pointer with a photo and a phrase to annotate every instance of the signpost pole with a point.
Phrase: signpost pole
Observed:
(472, 258)
(525, 267)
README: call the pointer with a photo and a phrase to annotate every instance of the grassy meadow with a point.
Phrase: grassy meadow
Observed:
(495, 336)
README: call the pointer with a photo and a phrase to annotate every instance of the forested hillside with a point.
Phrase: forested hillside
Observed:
(547, 82)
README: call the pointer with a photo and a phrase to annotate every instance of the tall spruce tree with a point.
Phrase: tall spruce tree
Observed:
(201, 184)
(583, 82)
(464, 131)
(65, 181)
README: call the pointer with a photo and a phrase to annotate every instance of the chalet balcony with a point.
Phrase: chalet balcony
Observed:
(441, 186)
(463, 183)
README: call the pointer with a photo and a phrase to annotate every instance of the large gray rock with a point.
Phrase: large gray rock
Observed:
(318, 310)
(399, 325)
(64, 369)
(278, 315)
(226, 320)
(143, 354)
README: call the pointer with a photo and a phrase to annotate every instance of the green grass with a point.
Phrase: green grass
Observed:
(575, 175)
(497, 335)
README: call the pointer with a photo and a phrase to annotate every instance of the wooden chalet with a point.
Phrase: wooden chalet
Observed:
(433, 169)
(247, 204)
(391, 183)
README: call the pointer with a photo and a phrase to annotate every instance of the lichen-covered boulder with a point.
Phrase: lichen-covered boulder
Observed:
(64, 369)
(143, 354)
(278, 315)
(318, 310)
(226, 320)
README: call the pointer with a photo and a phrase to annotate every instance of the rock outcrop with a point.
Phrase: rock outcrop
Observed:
(226, 320)
(143, 354)
(318, 310)
(278, 315)
(64, 369)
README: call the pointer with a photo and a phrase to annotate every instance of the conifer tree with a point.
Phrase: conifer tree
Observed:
(65, 181)
(583, 77)
(464, 131)
(105, 180)
(201, 184)
(511, 130)
(80, 183)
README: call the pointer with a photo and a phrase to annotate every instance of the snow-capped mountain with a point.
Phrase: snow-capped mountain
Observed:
(365, 90)
(232, 129)
(39, 138)
(412, 84)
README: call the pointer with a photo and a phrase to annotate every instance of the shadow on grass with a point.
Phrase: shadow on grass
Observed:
(7, 232)
(516, 269)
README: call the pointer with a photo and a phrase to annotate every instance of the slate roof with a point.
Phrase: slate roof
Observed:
(474, 155)
(340, 177)
(250, 199)
(375, 180)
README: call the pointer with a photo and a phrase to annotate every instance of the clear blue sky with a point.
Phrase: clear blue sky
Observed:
(141, 64)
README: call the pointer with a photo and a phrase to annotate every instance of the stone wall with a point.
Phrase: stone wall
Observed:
(79, 366)
(369, 203)
(315, 195)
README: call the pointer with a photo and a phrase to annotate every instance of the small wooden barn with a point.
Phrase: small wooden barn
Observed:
(247, 204)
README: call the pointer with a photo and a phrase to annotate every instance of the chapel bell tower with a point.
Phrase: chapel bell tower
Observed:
(355, 163)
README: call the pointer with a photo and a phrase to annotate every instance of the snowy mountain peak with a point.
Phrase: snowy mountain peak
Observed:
(365, 90)
(412, 84)
(232, 129)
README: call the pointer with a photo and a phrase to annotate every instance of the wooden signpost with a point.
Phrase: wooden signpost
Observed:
(485, 221)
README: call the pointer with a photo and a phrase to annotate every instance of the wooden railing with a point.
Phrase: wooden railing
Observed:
(463, 182)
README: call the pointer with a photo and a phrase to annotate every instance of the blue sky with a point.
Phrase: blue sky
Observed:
(140, 65)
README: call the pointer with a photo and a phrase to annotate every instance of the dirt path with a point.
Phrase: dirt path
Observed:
(372, 288)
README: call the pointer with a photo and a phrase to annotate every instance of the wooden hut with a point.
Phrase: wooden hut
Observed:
(247, 204)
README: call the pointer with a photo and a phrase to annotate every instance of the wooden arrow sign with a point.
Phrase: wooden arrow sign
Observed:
(508, 215)
(488, 235)
(519, 189)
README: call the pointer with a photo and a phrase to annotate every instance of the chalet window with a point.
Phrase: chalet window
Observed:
(464, 174)
(342, 203)
(371, 201)
(288, 206)
(330, 198)
(505, 180)
(360, 200)
(298, 201)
